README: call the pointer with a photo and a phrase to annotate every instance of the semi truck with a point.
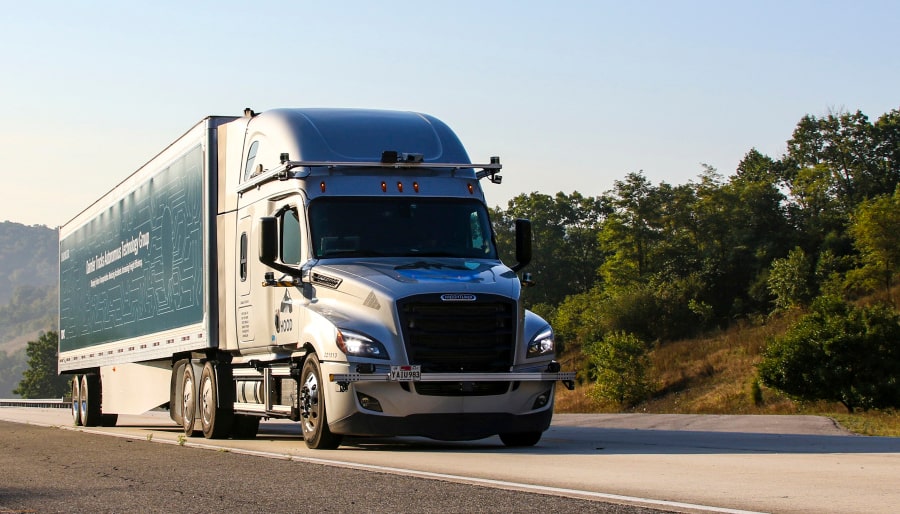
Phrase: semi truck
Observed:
(334, 267)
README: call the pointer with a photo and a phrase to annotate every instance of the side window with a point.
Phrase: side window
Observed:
(243, 257)
(290, 237)
(251, 159)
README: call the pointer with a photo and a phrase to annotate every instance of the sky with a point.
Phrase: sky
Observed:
(572, 95)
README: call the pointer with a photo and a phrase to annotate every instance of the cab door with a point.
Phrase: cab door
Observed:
(286, 303)
(269, 317)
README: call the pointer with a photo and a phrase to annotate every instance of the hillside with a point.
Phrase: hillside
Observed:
(713, 374)
(716, 374)
(29, 273)
(28, 294)
(29, 256)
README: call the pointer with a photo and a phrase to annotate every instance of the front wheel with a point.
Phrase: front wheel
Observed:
(314, 419)
(520, 439)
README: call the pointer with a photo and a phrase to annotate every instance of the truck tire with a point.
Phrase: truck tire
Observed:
(76, 400)
(245, 426)
(90, 400)
(188, 400)
(314, 419)
(520, 439)
(216, 410)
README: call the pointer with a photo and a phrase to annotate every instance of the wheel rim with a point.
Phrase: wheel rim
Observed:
(187, 402)
(76, 400)
(310, 403)
(82, 402)
(207, 402)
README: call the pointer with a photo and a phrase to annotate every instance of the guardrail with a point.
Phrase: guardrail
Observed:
(46, 403)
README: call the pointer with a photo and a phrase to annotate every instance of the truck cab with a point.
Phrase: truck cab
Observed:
(363, 243)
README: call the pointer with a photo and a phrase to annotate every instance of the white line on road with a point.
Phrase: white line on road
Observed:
(500, 484)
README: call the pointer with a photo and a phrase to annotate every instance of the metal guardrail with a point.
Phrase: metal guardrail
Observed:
(45, 403)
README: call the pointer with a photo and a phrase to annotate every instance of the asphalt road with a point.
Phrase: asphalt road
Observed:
(584, 463)
(47, 470)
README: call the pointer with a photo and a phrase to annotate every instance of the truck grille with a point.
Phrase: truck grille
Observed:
(459, 336)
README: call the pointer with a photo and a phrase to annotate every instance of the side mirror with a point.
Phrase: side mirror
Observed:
(523, 244)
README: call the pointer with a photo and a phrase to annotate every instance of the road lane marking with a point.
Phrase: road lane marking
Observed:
(498, 484)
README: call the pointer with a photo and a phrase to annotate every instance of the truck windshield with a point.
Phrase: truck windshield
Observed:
(400, 227)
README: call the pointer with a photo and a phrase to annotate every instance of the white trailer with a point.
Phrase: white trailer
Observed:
(336, 267)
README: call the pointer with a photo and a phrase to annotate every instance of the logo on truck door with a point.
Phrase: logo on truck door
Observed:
(284, 323)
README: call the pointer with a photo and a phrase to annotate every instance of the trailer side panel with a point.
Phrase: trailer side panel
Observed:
(132, 281)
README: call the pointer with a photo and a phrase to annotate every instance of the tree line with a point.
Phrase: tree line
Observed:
(645, 263)
(658, 262)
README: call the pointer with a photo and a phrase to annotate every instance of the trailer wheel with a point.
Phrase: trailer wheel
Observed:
(519, 439)
(76, 400)
(314, 419)
(188, 400)
(245, 426)
(216, 412)
(90, 400)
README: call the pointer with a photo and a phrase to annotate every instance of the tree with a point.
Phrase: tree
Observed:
(565, 255)
(833, 164)
(843, 148)
(630, 231)
(41, 380)
(619, 364)
(876, 234)
(789, 280)
(838, 353)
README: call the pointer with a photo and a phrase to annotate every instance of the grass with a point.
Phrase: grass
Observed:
(871, 423)
(716, 374)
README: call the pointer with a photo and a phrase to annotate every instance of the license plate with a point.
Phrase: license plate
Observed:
(406, 373)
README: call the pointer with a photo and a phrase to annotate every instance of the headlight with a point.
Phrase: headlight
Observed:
(542, 344)
(358, 345)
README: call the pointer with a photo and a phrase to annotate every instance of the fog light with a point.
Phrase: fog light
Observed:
(541, 400)
(369, 403)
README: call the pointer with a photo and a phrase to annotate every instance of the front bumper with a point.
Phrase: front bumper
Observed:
(468, 413)
(444, 426)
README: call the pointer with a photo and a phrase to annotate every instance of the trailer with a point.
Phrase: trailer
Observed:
(335, 267)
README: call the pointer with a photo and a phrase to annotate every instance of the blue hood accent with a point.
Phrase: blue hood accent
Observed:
(391, 275)
(435, 271)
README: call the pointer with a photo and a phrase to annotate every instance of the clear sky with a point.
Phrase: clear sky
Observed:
(572, 95)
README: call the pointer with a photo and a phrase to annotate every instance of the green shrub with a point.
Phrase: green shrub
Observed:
(619, 367)
(838, 353)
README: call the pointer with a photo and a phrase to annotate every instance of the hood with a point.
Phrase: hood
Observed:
(400, 277)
